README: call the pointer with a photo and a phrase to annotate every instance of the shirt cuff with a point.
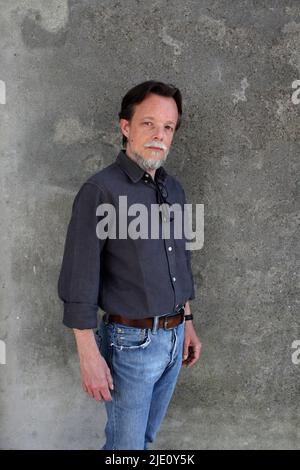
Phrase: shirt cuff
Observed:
(80, 315)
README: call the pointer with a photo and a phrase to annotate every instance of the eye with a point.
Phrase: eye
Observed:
(147, 122)
(169, 127)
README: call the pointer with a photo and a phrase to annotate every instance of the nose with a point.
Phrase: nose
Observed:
(158, 133)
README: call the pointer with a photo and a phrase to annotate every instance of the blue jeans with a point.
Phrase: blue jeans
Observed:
(144, 364)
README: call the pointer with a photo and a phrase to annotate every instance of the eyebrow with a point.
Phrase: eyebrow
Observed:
(151, 117)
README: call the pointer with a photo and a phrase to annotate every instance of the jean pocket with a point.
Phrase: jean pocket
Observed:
(129, 338)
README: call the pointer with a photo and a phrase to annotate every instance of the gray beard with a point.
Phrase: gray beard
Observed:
(149, 163)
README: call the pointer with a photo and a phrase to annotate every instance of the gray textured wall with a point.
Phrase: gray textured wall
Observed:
(66, 66)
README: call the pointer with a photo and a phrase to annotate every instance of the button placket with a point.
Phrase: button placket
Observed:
(169, 249)
(171, 262)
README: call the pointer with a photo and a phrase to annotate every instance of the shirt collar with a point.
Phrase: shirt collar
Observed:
(134, 171)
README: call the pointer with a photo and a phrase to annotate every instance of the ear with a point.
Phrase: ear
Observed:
(124, 126)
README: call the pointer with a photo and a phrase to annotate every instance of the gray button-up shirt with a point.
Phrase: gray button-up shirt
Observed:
(135, 278)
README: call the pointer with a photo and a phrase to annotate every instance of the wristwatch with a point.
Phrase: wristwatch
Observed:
(188, 317)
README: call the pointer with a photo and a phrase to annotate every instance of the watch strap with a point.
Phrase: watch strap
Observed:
(188, 317)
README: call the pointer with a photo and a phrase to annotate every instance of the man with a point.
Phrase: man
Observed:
(142, 284)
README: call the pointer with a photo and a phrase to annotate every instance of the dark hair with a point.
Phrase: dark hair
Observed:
(138, 93)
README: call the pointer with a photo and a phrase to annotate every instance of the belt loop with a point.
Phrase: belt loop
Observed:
(154, 325)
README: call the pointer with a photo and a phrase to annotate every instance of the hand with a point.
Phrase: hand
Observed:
(96, 377)
(192, 346)
(95, 374)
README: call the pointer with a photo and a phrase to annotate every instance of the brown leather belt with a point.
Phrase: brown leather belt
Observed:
(165, 321)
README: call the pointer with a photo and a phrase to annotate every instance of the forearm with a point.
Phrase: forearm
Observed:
(187, 308)
(86, 343)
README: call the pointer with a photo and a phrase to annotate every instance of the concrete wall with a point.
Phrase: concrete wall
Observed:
(66, 66)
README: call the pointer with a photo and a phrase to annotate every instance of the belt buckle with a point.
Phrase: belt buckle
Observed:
(181, 310)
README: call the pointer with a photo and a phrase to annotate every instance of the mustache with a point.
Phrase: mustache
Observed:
(156, 144)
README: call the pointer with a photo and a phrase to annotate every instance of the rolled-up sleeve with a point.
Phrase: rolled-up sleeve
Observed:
(189, 261)
(79, 278)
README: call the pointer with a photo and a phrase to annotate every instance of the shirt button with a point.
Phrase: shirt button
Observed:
(170, 248)
(174, 279)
